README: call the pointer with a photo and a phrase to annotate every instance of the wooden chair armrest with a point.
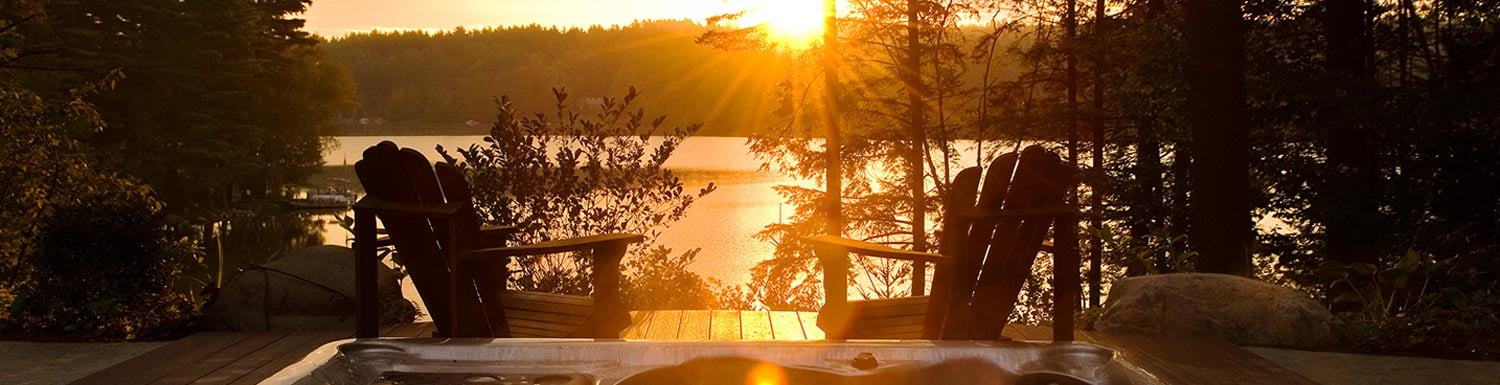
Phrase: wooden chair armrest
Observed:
(392, 209)
(557, 246)
(496, 236)
(876, 250)
(1037, 212)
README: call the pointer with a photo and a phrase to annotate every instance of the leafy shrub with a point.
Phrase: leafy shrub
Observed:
(103, 266)
(660, 280)
(1420, 305)
(42, 167)
(576, 175)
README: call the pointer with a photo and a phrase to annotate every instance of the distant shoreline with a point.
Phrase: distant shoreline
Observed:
(444, 129)
(484, 133)
(461, 129)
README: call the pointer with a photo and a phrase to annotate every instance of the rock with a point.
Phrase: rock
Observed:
(307, 289)
(1236, 309)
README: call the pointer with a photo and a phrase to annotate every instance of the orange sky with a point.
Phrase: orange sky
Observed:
(337, 17)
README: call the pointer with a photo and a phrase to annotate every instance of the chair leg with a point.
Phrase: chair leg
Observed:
(834, 316)
(610, 316)
(1065, 278)
(366, 293)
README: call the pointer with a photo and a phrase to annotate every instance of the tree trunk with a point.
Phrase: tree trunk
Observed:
(833, 173)
(1351, 194)
(917, 131)
(1096, 192)
(1221, 136)
(1180, 221)
(1147, 203)
(1070, 225)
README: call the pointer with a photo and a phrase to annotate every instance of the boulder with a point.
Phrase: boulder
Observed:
(307, 289)
(1236, 309)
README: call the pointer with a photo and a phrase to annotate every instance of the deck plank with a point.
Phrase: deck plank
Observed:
(1035, 332)
(1083, 336)
(428, 329)
(142, 370)
(639, 322)
(411, 330)
(696, 326)
(135, 366)
(256, 359)
(1012, 333)
(810, 325)
(664, 326)
(291, 356)
(222, 358)
(786, 327)
(726, 325)
(755, 326)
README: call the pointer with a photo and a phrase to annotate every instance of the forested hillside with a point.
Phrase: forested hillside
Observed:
(419, 82)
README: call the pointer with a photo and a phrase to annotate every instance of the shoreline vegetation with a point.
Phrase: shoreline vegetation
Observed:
(391, 129)
(445, 129)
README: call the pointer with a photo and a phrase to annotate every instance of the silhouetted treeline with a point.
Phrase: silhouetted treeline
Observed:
(205, 102)
(421, 82)
(130, 129)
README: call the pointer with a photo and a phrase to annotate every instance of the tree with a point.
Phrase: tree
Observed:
(1220, 136)
(1351, 196)
(219, 101)
(67, 214)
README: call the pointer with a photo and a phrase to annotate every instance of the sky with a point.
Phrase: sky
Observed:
(338, 17)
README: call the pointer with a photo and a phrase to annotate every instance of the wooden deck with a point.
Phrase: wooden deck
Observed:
(248, 358)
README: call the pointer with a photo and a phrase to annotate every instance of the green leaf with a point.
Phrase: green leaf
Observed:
(1409, 261)
(1332, 271)
(1349, 297)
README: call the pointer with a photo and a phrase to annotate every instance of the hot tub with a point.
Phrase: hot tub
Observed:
(615, 362)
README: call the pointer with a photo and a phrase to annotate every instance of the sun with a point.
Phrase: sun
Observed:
(794, 23)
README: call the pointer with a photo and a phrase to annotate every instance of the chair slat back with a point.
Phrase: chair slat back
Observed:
(456, 190)
(400, 175)
(975, 236)
(995, 255)
(489, 275)
(945, 281)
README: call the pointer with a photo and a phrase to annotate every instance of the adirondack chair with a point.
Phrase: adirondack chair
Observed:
(459, 267)
(986, 253)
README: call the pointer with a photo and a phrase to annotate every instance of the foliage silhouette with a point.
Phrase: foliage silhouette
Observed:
(219, 102)
(104, 266)
(567, 174)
